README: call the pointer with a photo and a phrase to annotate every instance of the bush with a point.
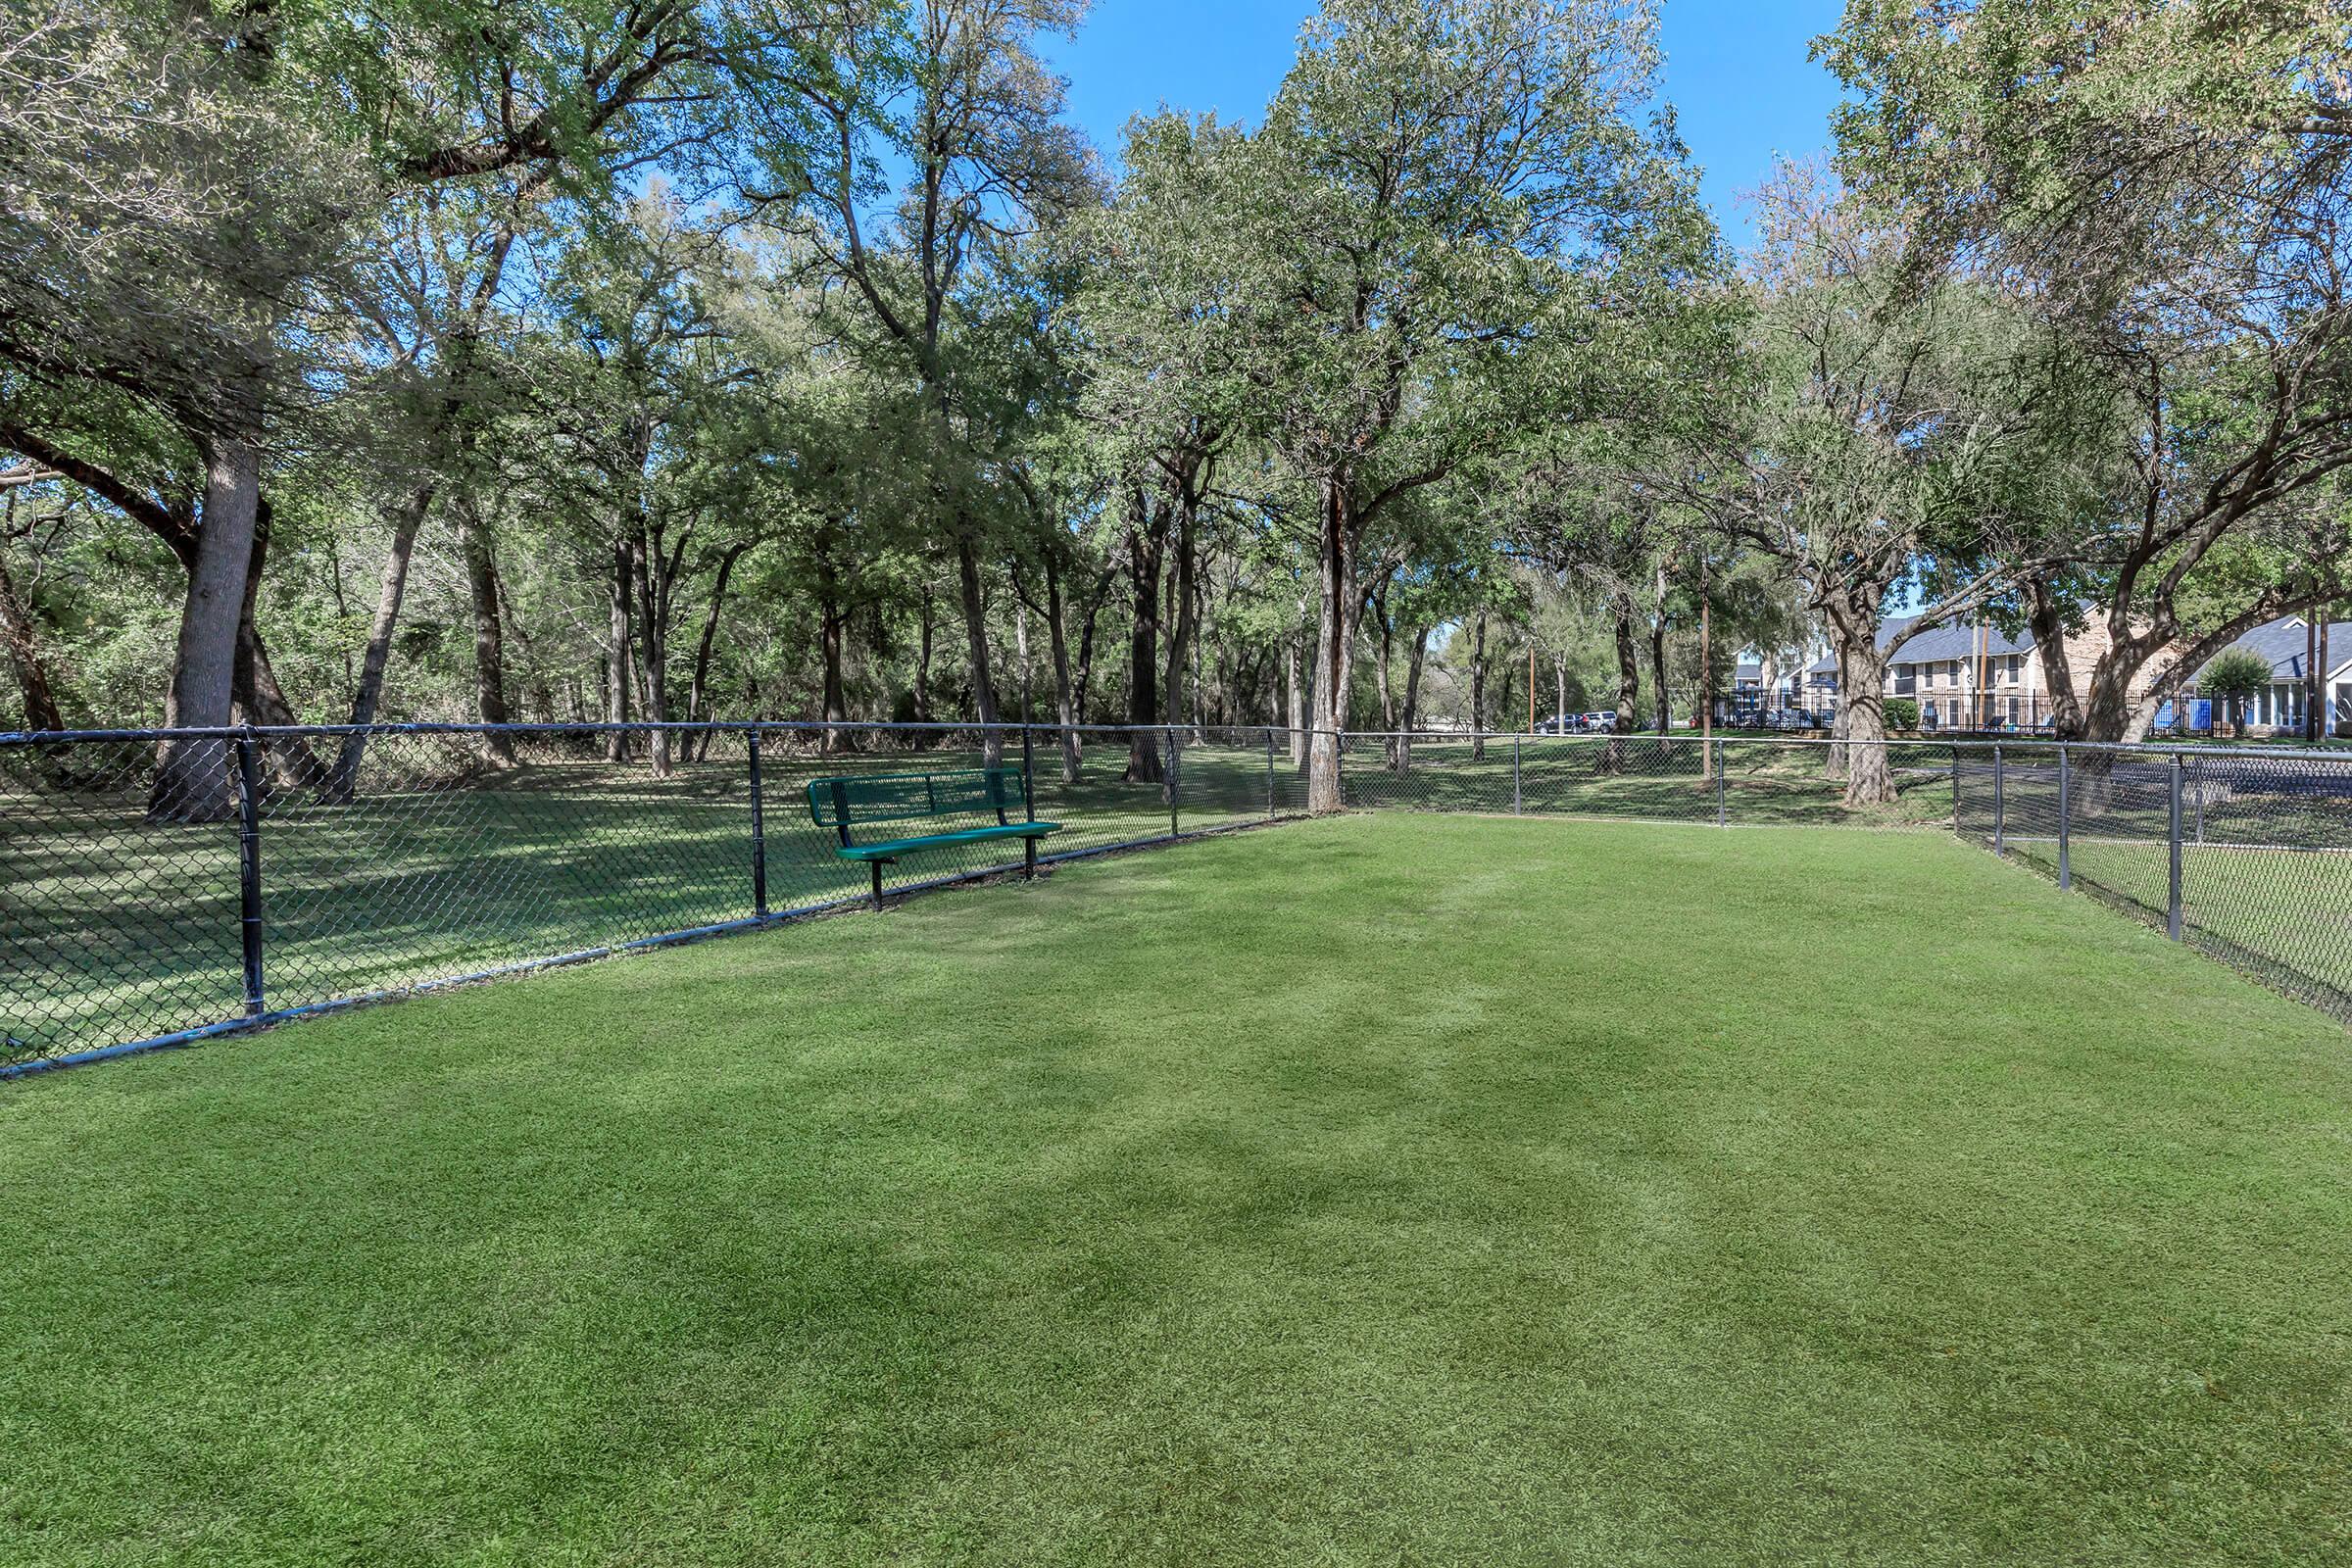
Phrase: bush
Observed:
(1902, 712)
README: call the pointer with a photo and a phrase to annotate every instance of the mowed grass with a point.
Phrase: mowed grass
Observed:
(1396, 1189)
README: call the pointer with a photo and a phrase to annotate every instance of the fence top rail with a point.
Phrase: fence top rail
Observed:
(1981, 743)
(761, 727)
(806, 727)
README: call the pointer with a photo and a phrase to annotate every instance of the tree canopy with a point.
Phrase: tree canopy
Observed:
(667, 360)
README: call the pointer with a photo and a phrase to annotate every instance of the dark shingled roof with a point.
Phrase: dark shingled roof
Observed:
(1956, 640)
(2278, 640)
(2281, 643)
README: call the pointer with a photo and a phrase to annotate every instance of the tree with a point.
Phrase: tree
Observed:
(953, 92)
(1865, 454)
(173, 235)
(1423, 182)
(2168, 184)
(2235, 675)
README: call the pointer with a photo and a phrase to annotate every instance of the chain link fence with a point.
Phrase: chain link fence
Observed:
(159, 887)
(2243, 852)
(2246, 852)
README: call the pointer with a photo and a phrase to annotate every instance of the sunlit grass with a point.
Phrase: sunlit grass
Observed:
(1385, 1189)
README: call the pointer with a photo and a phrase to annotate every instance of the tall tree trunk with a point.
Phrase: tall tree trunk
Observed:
(391, 588)
(1862, 674)
(17, 633)
(1144, 548)
(1082, 680)
(258, 698)
(1181, 645)
(1833, 755)
(1020, 657)
(699, 701)
(922, 664)
(489, 633)
(975, 635)
(1065, 701)
(618, 657)
(1661, 705)
(832, 625)
(1478, 688)
(1293, 696)
(192, 777)
(2045, 617)
(1387, 693)
(1340, 607)
(1629, 680)
(654, 563)
(1413, 663)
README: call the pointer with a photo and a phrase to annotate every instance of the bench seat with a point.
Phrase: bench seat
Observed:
(859, 803)
(891, 849)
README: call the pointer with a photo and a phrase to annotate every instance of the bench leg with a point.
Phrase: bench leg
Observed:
(1028, 860)
(876, 868)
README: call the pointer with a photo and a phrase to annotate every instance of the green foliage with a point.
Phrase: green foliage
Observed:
(1902, 712)
(2235, 675)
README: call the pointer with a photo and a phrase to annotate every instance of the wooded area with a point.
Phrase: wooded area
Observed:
(569, 361)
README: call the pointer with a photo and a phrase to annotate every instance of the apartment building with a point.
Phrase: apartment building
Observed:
(1970, 675)
(2277, 709)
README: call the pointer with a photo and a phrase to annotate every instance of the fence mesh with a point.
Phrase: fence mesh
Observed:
(397, 858)
(406, 857)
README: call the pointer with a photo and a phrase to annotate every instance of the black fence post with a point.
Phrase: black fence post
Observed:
(758, 833)
(2171, 903)
(2066, 805)
(1722, 766)
(1515, 775)
(2000, 809)
(1269, 774)
(1955, 746)
(248, 875)
(1175, 783)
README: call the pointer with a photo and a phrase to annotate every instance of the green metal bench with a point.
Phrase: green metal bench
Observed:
(863, 801)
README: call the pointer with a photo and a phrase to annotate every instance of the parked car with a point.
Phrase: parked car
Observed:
(1599, 723)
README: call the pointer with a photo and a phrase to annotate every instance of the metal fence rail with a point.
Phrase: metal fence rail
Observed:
(158, 886)
(2242, 852)
(267, 873)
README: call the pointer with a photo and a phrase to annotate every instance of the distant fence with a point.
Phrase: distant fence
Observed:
(2245, 851)
(267, 874)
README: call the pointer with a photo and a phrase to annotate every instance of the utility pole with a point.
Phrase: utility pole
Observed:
(2310, 675)
(2326, 707)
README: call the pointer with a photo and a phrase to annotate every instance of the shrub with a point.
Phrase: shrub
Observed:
(1902, 712)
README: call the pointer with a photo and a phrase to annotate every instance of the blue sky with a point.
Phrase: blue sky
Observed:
(1741, 87)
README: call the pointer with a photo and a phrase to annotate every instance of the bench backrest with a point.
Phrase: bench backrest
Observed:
(856, 801)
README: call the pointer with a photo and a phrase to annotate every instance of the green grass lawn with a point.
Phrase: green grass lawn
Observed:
(1393, 1189)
